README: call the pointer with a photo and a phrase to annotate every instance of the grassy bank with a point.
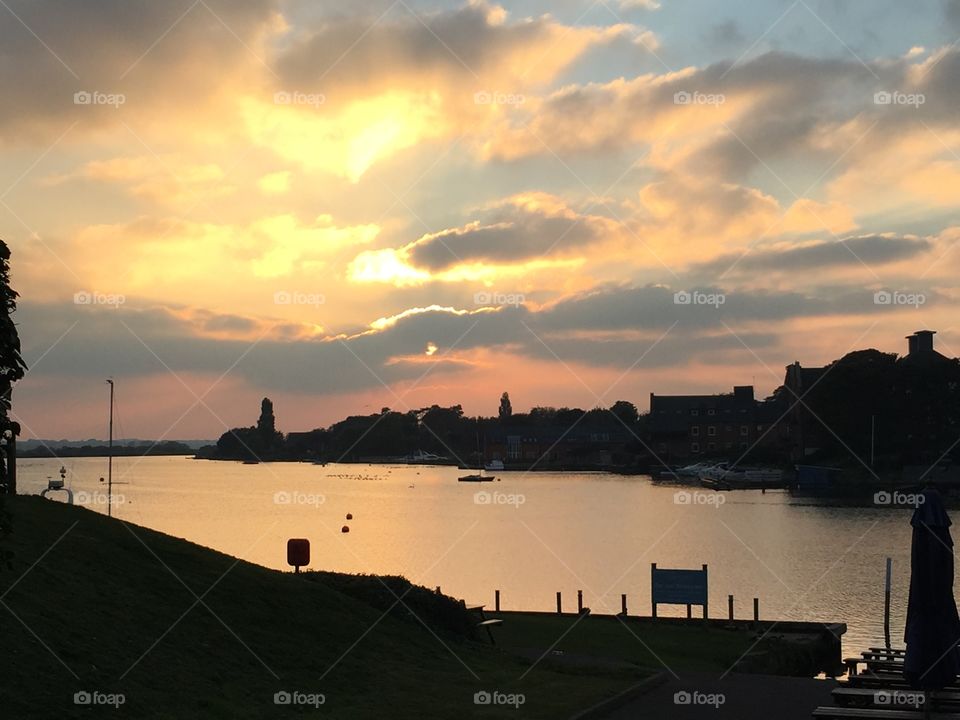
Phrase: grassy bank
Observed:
(93, 604)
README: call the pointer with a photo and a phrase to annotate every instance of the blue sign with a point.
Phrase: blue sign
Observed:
(679, 587)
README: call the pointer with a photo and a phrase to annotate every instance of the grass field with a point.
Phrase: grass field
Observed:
(93, 604)
(659, 646)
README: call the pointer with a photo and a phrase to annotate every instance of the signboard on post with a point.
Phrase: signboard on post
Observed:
(678, 587)
(298, 553)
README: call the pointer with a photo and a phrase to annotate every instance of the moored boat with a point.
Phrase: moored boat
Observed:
(475, 477)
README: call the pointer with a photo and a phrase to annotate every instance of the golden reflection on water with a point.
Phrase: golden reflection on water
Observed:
(528, 535)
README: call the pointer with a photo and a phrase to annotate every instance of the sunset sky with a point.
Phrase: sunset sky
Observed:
(350, 205)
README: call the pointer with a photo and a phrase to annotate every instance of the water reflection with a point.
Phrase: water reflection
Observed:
(529, 536)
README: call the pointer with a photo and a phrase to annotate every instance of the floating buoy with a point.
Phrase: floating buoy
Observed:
(349, 516)
(344, 529)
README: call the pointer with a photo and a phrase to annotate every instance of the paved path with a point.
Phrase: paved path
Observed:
(745, 697)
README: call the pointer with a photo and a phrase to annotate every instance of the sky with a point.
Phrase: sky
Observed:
(353, 205)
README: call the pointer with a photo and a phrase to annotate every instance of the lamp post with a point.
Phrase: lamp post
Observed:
(110, 457)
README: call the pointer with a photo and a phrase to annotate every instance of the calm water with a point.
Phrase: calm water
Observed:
(599, 533)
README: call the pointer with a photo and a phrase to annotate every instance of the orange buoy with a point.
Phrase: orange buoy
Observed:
(345, 529)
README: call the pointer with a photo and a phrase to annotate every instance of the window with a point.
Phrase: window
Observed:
(695, 447)
(711, 430)
(744, 430)
(695, 430)
(711, 446)
(711, 411)
(743, 446)
(727, 446)
(695, 412)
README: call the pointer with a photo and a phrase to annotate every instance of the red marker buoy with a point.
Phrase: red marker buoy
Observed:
(344, 529)
(349, 516)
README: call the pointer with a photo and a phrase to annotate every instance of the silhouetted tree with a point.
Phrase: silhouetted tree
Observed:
(506, 409)
(626, 411)
(12, 368)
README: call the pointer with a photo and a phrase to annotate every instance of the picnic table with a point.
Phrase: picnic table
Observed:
(879, 691)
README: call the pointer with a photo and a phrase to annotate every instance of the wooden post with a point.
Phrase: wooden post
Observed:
(653, 602)
(886, 603)
(559, 604)
(438, 590)
(579, 602)
(496, 600)
(756, 609)
(730, 607)
(623, 604)
(708, 590)
(689, 611)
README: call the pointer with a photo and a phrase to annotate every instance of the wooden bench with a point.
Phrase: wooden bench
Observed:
(892, 698)
(852, 664)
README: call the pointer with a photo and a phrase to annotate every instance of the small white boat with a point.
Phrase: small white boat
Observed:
(494, 465)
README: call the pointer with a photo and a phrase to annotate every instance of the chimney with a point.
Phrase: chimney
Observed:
(911, 344)
(920, 342)
(743, 392)
(925, 340)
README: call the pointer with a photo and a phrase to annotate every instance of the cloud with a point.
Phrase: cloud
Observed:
(870, 250)
(161, 62)
(165, 180)
(525, 229)
(385, 84)
(609, 326)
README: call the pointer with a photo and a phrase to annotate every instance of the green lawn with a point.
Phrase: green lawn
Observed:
(103, 606)
(657, 646)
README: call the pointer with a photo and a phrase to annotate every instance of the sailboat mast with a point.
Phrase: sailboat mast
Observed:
(110, 457)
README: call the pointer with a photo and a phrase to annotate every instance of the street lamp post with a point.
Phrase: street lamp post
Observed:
(110, 457)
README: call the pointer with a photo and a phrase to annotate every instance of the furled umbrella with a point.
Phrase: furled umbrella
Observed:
(933, 628)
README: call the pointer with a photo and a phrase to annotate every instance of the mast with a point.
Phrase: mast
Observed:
(110, 457)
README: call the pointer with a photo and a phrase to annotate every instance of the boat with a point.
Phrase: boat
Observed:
(420, 457)
(476, 477)
(724, 477)
(494, 465)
